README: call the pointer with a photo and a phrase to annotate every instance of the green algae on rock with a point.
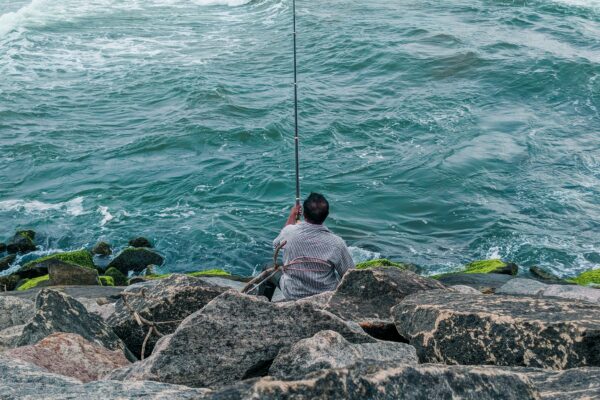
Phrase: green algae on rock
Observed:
(494, 266)
(384, 262)
(591, 277)
(119, 279)
(207, 272)
(33, 282)
(106, 280)
(83, 258)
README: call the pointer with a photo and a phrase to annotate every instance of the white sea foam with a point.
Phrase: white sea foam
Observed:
(106, 215)
(360, 255)
(73, 207)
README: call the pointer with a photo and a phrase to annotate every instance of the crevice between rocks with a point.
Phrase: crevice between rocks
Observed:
(383, 331)
(259, 369)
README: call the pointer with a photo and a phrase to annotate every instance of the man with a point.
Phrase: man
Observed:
(314, 259)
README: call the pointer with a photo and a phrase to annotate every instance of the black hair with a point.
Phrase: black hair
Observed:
(316, 208)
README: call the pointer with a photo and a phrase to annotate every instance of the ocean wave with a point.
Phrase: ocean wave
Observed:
(73, 207)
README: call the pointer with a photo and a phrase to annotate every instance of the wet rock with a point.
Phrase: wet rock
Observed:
(170, 299)
(102, 249)
(20, 380)
(234, 337)
(481, 282)
(329, 349)
(14, 311)
(5, 262)
(39, 267)
(456, 328)
(135, 259)
(9, 282)
(494, 266)
(9, 337)
(57, 312)
(70, 355)
(543, 275)
(385, 381)
(2, 247)
(22, 242)
(63, 273)
(140, 242)
(118, 277)
(368, 295)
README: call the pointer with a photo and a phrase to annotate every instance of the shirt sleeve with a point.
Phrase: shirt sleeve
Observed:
(346, 261)
(282, 236)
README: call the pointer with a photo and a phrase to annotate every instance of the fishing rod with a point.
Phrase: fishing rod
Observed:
(296, 138)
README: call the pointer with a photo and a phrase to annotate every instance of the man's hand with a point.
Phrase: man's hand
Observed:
(295, 214)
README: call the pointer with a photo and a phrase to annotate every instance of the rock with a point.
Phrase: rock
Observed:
(140, 242)
(464, 289)
(57, 312)
(104, 310)
(9, 282)
(22, 242)
(234, 337)
(118, 277)
(571, 384)
(491, 267)
(137, 279)
(89, 292)
(543, 275)
(106, 280)
(70, 355)
(329, 349)
(135, 259)
(387, 382)
(39, 267)
(5, 262)
(20, 380)
(62, 273)
(384, 262)
(9, 337)
(2, 247)
(170, 299)
(366, 296)
(102, 249)
(591, 277)
(456, 328)
(477, 281)
(14, 311)
(522, 286)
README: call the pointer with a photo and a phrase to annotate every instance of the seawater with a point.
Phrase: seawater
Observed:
(441, 131)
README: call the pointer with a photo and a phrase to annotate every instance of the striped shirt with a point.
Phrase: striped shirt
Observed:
(307, 278)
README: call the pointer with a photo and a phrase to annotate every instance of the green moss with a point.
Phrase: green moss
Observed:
(27, 234)
(484, 266)
(118, 277)
(586, 278)
(218, 272)
(381, 262)
(107, 280)
(31, 283)
(82, 258)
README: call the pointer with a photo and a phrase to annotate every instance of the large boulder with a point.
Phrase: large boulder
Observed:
(235, 336)
(140, 242)
(570, 384)
(15, 311)
(456, 328)
(5, 262)
(530, 287)
(9, 337)
(169, 299)
(329, 349)
(367, 296)
(21, 380)
(63, 273)
(58, 312)
(481, 282)
(135, 259)
(22, 242)
(70, 355)
(39, 267)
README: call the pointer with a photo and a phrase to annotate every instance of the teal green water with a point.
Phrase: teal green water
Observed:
(440, 131)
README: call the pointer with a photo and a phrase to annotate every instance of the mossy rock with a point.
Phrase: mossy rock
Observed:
(384, 262)
(34, 282)
(22, 242)
(106, 280)
(494, 266)
(587, 278)
(207, 272)
(9, 282)
(119, 279)
(37, 267)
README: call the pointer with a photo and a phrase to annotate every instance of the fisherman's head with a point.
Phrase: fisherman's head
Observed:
(316, 209)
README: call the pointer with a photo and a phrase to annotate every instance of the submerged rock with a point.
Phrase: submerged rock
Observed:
(170, 299)
(15, 311)
(329, 349)
(102, 249)
(21, 380)
(135, 259)
(57, 312)
(70, 355)
(5, 262)
(63, 273)
(456, 328)
(234, 337)
(140, 242)
(22, 242)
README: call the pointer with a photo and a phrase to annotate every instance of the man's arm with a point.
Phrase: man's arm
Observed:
(294, 215)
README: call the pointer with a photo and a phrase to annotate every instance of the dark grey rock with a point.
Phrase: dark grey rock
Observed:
(140, 242)
(2, 247)
(22, 242)
(14, 311)
(169, 299)
(102, 249)
(234, 337)
(570, 384)
(24, 381)
(456, 328)
(9, 282)
(135, 259)
(63, 273)
(543, 275)
(57, 312)
(477, 281)
(5, 262)
(329, 349)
